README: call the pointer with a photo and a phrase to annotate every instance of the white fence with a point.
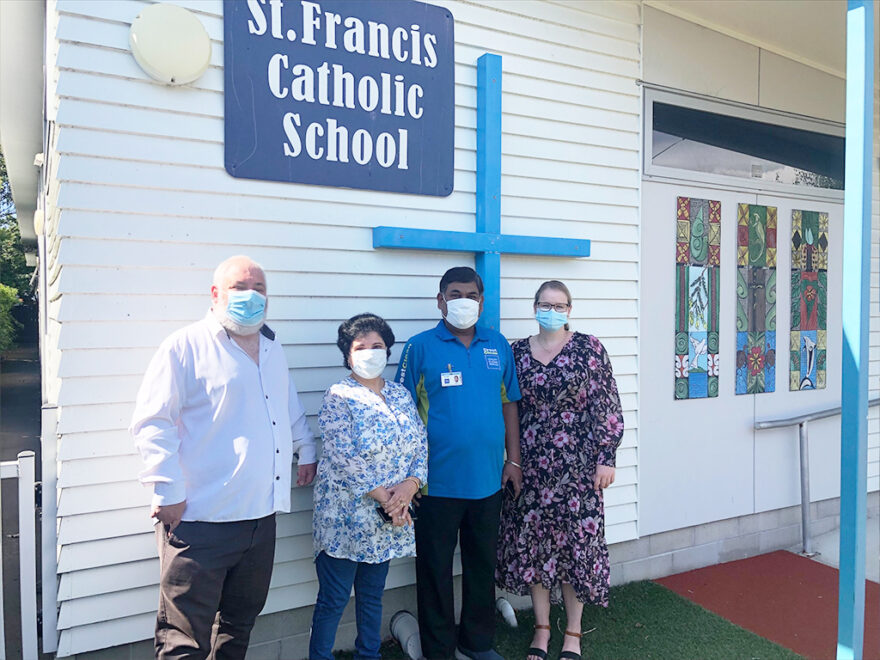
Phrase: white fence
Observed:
(23, 470)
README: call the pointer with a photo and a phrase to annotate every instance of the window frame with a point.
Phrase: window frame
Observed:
(661, 173)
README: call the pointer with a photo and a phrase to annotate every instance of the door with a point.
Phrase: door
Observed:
(777, 470)
(700, 458)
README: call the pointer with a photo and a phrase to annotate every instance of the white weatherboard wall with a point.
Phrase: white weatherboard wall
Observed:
(140, 210)
(732, 470)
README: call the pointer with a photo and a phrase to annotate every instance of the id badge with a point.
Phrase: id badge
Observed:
(451, 379)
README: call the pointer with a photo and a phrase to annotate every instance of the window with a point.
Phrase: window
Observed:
(768, 149)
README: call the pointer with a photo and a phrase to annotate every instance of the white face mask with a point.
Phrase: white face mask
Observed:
(369, 363)
(462, 313)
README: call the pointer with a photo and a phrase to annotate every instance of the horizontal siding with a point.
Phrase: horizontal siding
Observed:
(50, 353)
(87, 391)
(91, 280)
(116, 416)
(103, 307)
(142, 210)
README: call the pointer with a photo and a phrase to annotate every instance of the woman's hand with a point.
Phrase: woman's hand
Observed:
(400, 496)
(403, 520)
(604, 477)
(380, 494)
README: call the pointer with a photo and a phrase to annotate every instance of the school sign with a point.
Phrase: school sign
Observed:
(340, 93)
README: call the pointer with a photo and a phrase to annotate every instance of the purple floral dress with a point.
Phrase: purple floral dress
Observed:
(570, 421)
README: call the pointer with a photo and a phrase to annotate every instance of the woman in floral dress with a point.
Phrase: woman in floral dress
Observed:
(552, 541)
(375, 460)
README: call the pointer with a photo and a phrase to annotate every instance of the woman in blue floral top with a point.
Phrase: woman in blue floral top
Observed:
(375, 460)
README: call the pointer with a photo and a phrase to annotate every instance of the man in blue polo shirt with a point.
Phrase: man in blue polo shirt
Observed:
(463, 380)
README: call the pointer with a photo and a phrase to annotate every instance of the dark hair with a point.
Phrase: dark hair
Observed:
(463, 274)
(558, 286)
(358, 326)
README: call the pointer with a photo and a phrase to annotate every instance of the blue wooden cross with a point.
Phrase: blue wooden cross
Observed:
(488, 243)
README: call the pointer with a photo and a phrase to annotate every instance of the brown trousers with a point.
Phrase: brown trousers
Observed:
(212, 571)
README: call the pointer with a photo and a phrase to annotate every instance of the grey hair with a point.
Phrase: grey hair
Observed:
(220, 271)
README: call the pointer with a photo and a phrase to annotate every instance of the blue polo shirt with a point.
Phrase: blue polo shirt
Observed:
(465, 423)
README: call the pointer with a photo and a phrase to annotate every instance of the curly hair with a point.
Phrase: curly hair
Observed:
(358, 326)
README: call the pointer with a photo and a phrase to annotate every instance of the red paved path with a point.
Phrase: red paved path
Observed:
(781, 596)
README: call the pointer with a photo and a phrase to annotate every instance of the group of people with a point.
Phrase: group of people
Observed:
(501, 449)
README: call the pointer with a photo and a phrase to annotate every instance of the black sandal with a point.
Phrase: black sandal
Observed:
(570, 655)
(539, 653)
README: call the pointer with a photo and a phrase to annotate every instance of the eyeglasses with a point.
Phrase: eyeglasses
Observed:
(559, 307)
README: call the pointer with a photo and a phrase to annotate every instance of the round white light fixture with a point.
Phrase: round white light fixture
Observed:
(170, 44)
(39, 219)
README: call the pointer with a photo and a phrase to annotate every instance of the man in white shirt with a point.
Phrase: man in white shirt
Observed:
(217, 422)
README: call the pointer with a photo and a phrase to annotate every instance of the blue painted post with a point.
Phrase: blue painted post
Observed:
(856, 316)
(489, 181)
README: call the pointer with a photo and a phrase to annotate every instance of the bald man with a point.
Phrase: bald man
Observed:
(217, 423)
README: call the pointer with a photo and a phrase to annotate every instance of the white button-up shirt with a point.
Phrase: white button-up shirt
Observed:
(217, 429)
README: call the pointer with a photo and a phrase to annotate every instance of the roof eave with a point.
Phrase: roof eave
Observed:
(22, 45)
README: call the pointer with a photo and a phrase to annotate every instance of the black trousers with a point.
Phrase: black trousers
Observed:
(212, 571)
(442, 521)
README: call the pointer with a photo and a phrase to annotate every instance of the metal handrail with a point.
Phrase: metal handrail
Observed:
(801, 421)
(806, 417)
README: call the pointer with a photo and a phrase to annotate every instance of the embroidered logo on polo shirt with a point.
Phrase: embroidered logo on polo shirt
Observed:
(492, 359)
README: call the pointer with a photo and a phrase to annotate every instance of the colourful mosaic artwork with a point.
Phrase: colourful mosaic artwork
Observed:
(697, 264)
(809, 300)
(755, 299)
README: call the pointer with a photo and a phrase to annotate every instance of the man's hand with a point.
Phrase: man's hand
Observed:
(604, 477)
(305, 474)
(510, 411)
(169, 515)
(514, 474)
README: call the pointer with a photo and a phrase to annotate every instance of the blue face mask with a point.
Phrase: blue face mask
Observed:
(247, 308)
(551, 319)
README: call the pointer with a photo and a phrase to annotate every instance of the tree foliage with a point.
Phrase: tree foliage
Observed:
(8, 325)
(14, 273)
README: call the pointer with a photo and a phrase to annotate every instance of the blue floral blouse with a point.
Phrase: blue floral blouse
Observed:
(367, 443)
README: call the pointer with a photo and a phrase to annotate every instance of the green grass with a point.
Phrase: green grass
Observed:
(644, 621)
